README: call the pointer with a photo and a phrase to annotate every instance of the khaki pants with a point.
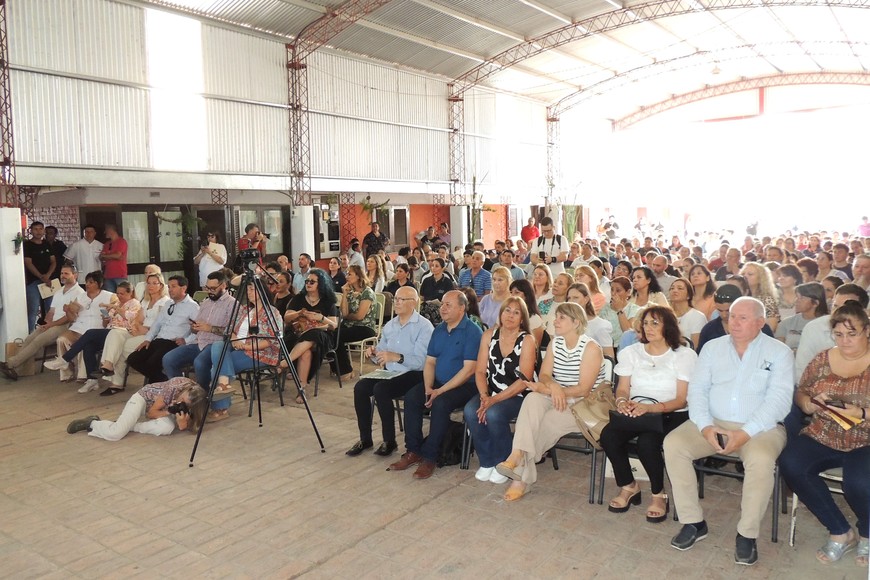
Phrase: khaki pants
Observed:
(64, 342)
(118, 346)
(685, 444)
(33, 345)
(539, 427)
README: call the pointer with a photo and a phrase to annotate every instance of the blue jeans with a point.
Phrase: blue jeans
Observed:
(234, 361)
(492, 441)
(801, 462)
(439, 422)
(89, 344)
(34, 300)
(176, 359)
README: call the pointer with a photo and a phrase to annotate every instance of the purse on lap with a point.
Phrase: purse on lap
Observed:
(653, 422)
(592, 412)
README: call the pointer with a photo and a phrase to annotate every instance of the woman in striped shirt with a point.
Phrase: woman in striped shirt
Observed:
(572, 368)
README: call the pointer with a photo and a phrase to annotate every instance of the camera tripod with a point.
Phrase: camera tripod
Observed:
(250, 278)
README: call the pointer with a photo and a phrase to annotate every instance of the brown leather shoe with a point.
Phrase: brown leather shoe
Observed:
(408, 459)
(425, 470)
(8, 371)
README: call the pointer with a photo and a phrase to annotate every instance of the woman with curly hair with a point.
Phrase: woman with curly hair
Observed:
(760, 282)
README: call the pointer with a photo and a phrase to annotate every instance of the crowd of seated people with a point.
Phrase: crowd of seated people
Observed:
(519, 333)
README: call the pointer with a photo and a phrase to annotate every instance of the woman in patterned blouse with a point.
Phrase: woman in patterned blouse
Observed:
(836, 382)
(359, 317)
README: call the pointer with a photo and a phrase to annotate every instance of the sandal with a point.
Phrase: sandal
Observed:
(625, 499)
(111, 391)
(215, 416)
(224, 389)
(832, 551)
(508, 468)
(655, 514)
(863, 553)
(515, 492)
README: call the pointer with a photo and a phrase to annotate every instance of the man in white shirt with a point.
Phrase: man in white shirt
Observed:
(85, 253)
(56, 323)
(550, 248)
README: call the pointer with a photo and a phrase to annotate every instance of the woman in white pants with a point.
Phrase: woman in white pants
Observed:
(153, 401)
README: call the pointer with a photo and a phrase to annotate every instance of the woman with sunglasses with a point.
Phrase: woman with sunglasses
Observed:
(211, 257)
(309, 316)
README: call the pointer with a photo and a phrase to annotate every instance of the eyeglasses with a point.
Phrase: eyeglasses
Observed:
(212, 288)
(311, 282)
(404, 299)
(651, 322)
(171, 309)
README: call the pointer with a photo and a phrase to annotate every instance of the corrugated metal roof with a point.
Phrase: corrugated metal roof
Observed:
(450, 37)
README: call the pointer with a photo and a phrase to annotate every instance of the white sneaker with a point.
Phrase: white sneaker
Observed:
(497, 477)
(90, 385)
(55, 364)
(484, 473)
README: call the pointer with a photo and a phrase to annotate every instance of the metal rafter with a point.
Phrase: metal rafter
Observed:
(815, 78)
(8, 184)
(613, 20)
(440, 213)
(27, 200)
(456, 118)
(682, 62)
(312, 37)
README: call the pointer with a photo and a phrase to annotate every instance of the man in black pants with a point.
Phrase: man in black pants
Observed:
(171, 329)
(403, 346)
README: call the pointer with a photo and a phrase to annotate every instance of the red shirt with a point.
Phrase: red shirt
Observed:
(116, 268)
(529, 233)
(246, 244)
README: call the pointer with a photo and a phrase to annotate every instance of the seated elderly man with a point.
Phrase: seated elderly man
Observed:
(448, 384)
(740, 390)
(56, 323)
(475, 276)
(402, 350)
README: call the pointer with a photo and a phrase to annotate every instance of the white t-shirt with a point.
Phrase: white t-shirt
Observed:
(551, 249)
(655, 377)
(61, 299)
(692, 322)
(90, 316)
(601, 331)
(86, 256)
(207, 264)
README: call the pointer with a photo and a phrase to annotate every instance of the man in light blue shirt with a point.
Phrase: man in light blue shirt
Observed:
(403, 346)
(741, 389)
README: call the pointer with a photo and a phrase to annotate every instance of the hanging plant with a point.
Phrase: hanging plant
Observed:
(370, 208)
(189, 223)
(18, 240)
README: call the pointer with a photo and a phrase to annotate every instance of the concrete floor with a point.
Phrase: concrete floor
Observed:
(264, 502)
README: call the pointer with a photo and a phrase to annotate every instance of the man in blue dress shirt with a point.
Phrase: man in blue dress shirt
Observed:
(448, 384)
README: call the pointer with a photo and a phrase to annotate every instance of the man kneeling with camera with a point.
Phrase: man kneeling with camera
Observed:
(177, 402)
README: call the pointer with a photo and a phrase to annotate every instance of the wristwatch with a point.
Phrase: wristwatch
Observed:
(401, 359)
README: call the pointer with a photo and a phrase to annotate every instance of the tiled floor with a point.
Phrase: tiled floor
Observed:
(264, 502)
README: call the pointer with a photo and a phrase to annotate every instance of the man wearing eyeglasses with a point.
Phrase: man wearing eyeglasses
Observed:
(550, 249)
(209, 327)
(170, 330)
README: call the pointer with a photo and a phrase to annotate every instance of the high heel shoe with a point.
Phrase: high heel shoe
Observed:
(653, 514)
(627, 501)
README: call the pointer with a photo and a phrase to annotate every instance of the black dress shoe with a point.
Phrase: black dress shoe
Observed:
(745, 552)
(690, 534)
(358, 448)
(386, 449)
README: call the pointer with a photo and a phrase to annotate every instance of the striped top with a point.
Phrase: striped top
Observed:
(566, 362)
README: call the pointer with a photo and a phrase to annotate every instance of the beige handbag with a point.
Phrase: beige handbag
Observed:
(592, 412)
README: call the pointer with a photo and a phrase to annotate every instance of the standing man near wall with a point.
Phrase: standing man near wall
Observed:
(550, 248)
(253, 238)
(39, 263)
(530, 232)
(375, 240)
(114, 257)
(85, 254)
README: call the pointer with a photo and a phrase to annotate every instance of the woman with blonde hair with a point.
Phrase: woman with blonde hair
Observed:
(359, 313)
(586, 275)
(507, 353)
(490, 305)
(572, 368)
(760, 282)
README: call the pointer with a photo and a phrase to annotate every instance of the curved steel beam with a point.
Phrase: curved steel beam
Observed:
(817, 78)
(615, 19)
(683, 62)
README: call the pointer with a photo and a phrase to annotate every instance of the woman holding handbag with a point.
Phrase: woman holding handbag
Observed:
(650, 403)
(572, 368)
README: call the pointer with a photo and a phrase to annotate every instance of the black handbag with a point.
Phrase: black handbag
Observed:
(652, 422)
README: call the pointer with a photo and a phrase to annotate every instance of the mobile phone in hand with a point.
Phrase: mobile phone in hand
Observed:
(722, 439)
(836, 403)
(523, 377)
